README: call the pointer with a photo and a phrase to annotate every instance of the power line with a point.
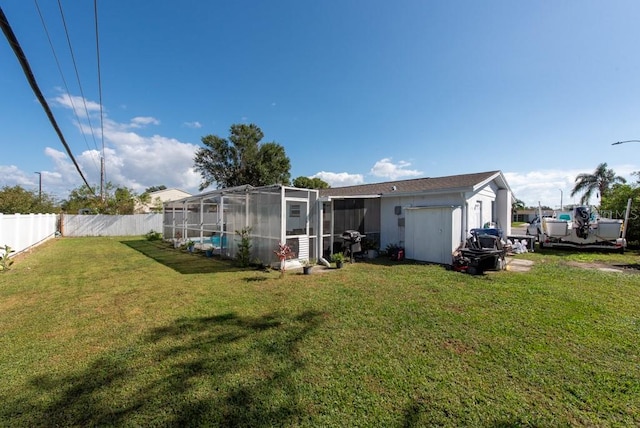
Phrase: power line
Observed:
(75, 67)
(26, 68)
(64, 81)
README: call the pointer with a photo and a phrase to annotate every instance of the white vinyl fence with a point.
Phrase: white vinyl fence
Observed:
(22, 231)
(110, 225)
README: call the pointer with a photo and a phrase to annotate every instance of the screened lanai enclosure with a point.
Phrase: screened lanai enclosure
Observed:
(271, 215)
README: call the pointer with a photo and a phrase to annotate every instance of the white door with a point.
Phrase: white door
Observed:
(428, 234)
(296, 226)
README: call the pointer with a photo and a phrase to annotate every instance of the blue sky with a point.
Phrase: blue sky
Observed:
(355, 91)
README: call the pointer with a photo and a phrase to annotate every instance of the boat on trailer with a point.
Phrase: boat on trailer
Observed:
(584, 228)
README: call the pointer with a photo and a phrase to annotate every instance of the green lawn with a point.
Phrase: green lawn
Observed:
(127, 332)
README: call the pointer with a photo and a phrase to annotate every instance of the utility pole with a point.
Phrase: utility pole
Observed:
(39, 185)
(102, 178)
(560, 199)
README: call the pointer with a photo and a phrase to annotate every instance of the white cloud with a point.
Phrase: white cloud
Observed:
(539, 186)
(544, 186)
(194, 125)
(142, 121)
(152, 161)
(339, 179)
(52, 182)
(548, 186)
(17, 177)
(136, 160)
(132, 159)
(386, 169)
(76, 103)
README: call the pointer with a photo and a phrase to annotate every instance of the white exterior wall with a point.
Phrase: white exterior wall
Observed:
(161, 196)
(169, 195)
(480, 204)
(391, 229)
(477, 208)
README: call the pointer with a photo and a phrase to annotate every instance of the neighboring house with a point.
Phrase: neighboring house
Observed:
(528, 214)
(158, 198)
(429, 217)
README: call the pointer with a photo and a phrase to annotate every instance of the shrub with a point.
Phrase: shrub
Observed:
(243, 256)
(5, 261)
(337, 257)
(152, 235)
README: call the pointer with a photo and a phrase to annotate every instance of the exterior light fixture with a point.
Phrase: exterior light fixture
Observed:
(625, 141)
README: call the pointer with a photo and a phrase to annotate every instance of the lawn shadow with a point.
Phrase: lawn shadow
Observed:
(256, 279)
(222, 370)
(181, 261)
(631, 266)
(568, 252)
(421, 412)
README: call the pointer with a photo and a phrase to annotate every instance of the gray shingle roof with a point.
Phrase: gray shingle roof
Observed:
(416, 185)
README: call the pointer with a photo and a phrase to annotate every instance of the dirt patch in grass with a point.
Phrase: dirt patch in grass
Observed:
(607, 267)
(457, 346)
(518, 265)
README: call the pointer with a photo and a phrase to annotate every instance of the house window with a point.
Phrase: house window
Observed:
(294, 210)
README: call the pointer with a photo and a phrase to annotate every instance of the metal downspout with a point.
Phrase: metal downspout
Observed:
(465, 221)
(201, 221)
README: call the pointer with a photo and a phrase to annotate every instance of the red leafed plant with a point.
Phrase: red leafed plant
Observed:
(283, 252)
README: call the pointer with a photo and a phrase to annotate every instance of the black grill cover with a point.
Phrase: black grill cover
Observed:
(352, 235)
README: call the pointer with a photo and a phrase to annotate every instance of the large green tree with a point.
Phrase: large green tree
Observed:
(122, 202)
(600, 181)
(310, 183)
(117, 200)
(17, 200)
(155, 188)
(81, 198)
(241, 159)
(615, 204)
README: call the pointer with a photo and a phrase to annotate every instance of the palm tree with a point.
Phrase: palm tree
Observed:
(600, 181)
(517, 206)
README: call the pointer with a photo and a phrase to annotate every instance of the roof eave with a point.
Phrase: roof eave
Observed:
(428, 192)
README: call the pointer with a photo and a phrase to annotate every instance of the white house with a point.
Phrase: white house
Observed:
(159, 197)
(429, 217)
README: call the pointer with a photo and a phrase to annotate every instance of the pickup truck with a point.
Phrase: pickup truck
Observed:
(535, 228)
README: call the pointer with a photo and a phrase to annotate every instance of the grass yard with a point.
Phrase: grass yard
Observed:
(127, 332)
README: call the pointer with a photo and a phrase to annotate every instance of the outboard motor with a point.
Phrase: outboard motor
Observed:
(581, 222)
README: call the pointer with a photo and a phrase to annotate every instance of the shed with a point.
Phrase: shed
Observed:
(432, 233)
